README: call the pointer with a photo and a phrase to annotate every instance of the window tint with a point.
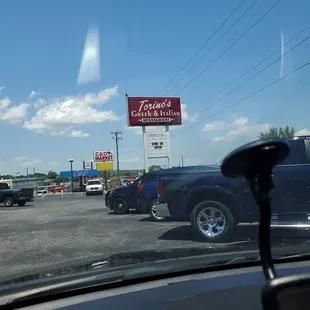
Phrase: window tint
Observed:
(149, 177)
(298, 154)
(3, 186)
(93, 182)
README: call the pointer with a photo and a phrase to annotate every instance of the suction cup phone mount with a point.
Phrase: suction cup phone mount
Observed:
(255, 161)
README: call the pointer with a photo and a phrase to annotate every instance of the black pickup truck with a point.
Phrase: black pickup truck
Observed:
(9, 196)
(216, 204)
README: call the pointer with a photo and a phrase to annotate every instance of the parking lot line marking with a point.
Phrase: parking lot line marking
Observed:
(67, 202)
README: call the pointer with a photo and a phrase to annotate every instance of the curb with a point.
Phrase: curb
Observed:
(61, 194)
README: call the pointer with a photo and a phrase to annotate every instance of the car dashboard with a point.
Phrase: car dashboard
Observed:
(236, 288)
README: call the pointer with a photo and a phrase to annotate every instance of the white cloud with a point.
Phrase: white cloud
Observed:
(31, 163)
(217, 125)
(78, 134)
(57, 115)
(130, 160)
(21, 158)
(186, 116)
(218, 139)
(135, 130)
(90, 64)
(241, 128)
(12, 113)
(241, 121)
(34, 94)
(53, 163)
(303, 132)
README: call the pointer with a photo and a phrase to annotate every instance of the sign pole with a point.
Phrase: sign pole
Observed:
(145, 149)
(105, 180)
(169, 153)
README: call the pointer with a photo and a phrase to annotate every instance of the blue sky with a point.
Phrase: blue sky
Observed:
(143, 44)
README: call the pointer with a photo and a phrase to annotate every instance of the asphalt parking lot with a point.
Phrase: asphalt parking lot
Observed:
(57, 229)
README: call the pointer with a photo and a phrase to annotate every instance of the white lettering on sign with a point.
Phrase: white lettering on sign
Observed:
(144, 105)
(103, 156)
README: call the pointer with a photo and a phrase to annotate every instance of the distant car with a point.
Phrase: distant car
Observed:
(94, 187)
(41, 193)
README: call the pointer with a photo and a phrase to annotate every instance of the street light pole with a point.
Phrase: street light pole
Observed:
(71, 162)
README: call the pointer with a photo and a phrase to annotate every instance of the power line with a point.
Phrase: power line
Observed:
(131, 145)
(244, 74)
(132, 151)
(241, 100)
(252, 77)
(303, 128)
(210, 49)
(204, 44)
(245, 98)
(230, 46)
(203, 110)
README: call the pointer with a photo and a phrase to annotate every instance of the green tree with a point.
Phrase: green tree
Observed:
(154, 167)
(278, 132)
(52, 175)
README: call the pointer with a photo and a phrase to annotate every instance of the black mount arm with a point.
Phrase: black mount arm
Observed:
(260, 185)
(255, 161)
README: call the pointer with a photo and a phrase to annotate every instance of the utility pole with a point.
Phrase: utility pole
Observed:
(117, 136)
(27, 172)
(182, 162)
(33, 171)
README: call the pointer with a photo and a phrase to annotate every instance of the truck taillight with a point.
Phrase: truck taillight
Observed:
(159, 189)
(19, 193)
(140, 187)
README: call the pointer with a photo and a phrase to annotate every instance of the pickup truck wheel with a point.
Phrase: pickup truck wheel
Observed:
(120, 206)
(153, 215)
(8, 202)
(213, 221)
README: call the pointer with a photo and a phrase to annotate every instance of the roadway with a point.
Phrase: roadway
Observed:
(58, 229)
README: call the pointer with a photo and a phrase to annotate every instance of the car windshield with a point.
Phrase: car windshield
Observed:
(93, 182)
(116, 117)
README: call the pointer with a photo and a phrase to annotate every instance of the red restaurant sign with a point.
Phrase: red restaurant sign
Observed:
(154, 111)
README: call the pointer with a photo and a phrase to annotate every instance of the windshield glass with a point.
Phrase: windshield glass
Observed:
(93, 182)
(145, 99)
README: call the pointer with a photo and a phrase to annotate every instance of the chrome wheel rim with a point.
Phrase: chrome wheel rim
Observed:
(154, 213)
(211, 222)
(8, 203)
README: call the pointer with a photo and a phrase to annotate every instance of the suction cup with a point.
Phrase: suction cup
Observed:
(254, 157)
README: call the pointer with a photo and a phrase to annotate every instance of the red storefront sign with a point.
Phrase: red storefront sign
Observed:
(103, 156)
(57, 188)
(154, 111)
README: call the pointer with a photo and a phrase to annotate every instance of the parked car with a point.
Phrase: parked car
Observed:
(94, 187)
(9, 196)
(215, 204)
(123, 198)
(139, 195)
(41, 192)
